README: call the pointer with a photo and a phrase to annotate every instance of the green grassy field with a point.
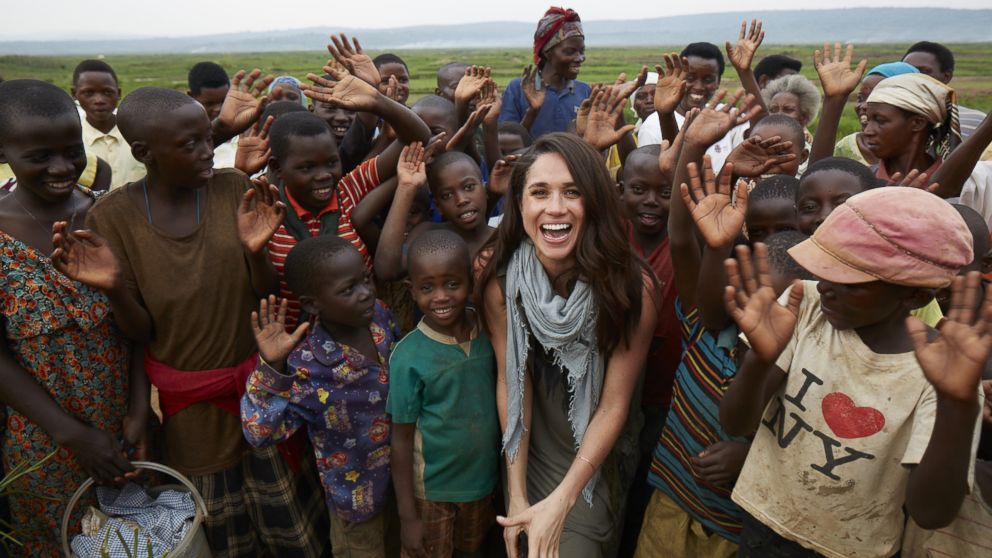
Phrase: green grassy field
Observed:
(973, 75)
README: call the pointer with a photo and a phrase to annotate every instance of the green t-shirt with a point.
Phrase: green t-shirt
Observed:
(449, 390)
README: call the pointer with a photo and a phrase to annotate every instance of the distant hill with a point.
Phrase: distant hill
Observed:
(860, 25)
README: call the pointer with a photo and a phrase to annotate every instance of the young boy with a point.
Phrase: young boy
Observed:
(773, 207)
(339, 119)
(208, 85)
(851, 427)
(307, 168)
(448, 77)
(391, 66)
(190, 249)
(333, 380)
(456, 185)
(95, 87)
(442, 400)
(690, 512)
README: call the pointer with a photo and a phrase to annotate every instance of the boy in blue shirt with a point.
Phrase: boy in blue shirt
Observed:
(443, 405)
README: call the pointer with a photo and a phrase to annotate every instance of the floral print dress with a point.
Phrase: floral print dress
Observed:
(62, 333)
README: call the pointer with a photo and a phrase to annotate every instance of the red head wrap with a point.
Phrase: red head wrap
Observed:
(557, 25)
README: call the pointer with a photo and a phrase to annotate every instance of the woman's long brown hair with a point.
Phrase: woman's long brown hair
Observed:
(604, 258)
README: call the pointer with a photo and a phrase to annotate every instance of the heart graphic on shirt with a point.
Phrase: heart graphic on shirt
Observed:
(848, 420)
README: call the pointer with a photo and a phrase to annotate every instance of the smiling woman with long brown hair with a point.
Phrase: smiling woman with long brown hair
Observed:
(570, 311)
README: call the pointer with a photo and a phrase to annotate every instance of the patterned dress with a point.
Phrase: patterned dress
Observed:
(61, 332)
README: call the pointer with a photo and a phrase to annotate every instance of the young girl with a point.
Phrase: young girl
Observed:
(63, 362)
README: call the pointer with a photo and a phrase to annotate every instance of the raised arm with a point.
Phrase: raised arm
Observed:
(668, 93)
(958, 166)
(953, 364)
(838, 80)
(741, 57)
(242, 106)
(411, 176)
(259, 217)
(352, 93)
(768, 326)
(532, 94)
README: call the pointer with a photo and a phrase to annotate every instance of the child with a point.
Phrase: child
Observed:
(391, 66)
(690, 512)
(289, 89)
(190, 247)
(333, 380)
(777, 210)
(307, 168)
(442, 399)
(448, 77)
(513, 138)
(790, 142)
(208, 85)
(645, 192)
(64, 364)
(95, 87)
(339, 119)
(849, 425)
(456, 185)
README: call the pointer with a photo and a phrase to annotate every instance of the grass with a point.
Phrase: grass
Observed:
(972, 79)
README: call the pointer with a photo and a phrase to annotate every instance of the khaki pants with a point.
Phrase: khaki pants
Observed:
(669, 531)
(366, 539)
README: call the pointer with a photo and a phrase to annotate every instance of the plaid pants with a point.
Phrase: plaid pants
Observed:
(260, 508)
(452, 526)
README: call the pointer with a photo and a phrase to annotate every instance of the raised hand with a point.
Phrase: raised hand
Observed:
(718, 216)
(582, 114)
(499, 177)
(410, 170)
(914, 179)
(747, 44)
(489, 95)
(670, 89)
(253, 148)
(600, 130)
(472, 83)
(464, 134)
(627, 88)
(269, 326)
(348, 92)
(354, 59)
(755, 156)
(751, 302)
(258, 221)
(954, 361)
(244, 101)
(836, 76)
(713, 123)
(86, 257)
(534, 96)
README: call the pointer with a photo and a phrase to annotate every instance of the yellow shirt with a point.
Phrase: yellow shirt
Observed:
(112, 148)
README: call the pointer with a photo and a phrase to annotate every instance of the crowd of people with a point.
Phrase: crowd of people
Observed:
(503, 321)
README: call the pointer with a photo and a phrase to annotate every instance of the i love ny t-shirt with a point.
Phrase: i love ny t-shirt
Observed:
(827, 467)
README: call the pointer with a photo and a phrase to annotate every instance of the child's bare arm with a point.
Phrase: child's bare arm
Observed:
(668, 93)
(490, 124)
(138, 406)
(411, 527)
(953, 363)
(719, 218)
(411, 176)
(948, 180)
(768, 326)
(741, 57)
(838, 81)
(96, 451)
(469, 87)
(364, 214)
(352, 93)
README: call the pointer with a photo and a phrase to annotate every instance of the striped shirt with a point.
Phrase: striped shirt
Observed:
(350, 190)
(693, 424)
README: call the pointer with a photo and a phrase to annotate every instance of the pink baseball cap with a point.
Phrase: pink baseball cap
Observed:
(894, 234)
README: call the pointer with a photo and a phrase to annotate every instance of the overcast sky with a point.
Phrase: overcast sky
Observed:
(77, 19)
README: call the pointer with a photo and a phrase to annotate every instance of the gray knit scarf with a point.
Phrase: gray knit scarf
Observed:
(567, 329)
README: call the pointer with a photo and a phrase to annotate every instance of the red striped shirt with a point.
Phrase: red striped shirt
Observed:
(350, 190)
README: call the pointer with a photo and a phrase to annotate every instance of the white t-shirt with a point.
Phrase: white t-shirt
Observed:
(650, 134)
(827, 467)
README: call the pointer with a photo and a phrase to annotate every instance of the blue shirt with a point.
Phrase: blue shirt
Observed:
(556, 113)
